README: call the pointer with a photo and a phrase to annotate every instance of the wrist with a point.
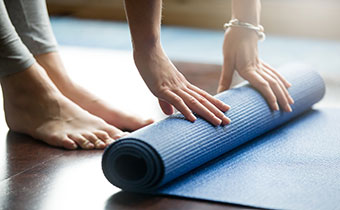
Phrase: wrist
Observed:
(242, 34)
(246, 11)
(148, 55)
(144, 45)
(148, 50)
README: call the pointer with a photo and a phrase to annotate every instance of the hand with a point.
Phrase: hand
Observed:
(172, 89)
(240, 53)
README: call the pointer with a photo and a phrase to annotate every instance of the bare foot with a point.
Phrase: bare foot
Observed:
(34, 106)
(55, 69)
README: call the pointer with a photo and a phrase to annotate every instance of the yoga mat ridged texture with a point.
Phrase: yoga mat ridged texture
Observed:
(147, 159)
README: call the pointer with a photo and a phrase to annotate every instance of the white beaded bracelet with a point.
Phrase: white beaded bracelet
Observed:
(236, 23)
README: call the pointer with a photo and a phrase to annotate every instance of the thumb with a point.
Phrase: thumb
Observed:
(226, 77)
(166, 107)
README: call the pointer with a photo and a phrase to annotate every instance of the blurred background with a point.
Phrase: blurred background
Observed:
(306, 18)
(297, 31)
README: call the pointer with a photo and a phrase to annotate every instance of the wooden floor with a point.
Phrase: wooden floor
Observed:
(36, 176)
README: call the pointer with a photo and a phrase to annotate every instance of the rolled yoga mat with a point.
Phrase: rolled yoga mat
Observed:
(199, 160)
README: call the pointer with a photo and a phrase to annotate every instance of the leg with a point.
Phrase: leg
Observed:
(34, 106)
(84, 98)
(14, 56)
(37, 34)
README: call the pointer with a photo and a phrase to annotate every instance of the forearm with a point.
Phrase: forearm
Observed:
(144, 19)
(247, 11)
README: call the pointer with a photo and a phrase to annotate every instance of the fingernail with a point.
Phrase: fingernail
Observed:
(276, 107)
(291, 100)
(288, 108)
(193, 118)
(226, 120)
(227, 107)
(218, 121)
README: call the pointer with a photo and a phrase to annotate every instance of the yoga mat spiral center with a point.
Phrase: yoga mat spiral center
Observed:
(137, 172)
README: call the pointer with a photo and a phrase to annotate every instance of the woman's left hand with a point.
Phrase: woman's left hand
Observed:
(241, 54)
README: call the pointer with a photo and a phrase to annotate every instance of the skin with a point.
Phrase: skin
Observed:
(241, 54)
(43, 102)
(158, 72)
(56, 71)
(33, 105)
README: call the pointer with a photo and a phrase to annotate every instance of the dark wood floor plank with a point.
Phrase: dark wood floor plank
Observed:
(21, 153)
(75, 181)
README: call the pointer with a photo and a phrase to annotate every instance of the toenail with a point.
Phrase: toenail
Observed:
(100, 143)
(74, 146)
(110, 141)
(88, 145)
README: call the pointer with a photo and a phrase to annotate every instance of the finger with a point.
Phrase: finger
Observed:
(177, 102)
(285, 82)
(281, 97)
(166, 107)
(226, 76)
(218, 103)
(209, 106)
(262, 85)
(94, 140)
(197, 107)
(283, 87)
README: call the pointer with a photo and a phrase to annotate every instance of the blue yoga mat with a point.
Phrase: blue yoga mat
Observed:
(263, 158)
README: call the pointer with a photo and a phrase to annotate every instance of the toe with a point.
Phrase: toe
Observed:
(120, 135)
(81, 141)
(59, 140)
(67, 143)
(104, 137)
(113, 132)
(95, 140)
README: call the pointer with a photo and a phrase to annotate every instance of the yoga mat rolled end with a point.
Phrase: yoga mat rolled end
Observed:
(130, 163)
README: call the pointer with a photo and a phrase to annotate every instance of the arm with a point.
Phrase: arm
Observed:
(160, 75)
(241, 54)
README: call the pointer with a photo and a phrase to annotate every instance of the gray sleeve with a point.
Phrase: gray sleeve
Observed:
(14, 56)
(31, 21)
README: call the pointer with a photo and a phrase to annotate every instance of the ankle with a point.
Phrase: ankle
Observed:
(29, 82)
(54, 67)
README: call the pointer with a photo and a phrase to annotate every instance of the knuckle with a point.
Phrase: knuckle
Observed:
(193, 101)
(177, 100)
(201, 99)
(160, 92)
(274, 83)
(264, 83)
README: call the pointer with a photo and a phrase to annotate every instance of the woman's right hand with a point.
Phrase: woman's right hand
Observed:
(173, 90)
